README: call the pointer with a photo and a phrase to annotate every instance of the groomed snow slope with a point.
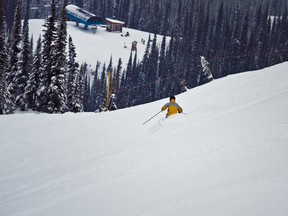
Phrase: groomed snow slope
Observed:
(227, 155)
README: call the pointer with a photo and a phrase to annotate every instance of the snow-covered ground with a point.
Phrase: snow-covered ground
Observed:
(101, 45)
(226, 155)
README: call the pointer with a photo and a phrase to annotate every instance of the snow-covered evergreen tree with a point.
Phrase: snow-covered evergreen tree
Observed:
(101, 97)
(56, 91)
(283, 34)
(82, 90)
(161, 71)
(76, 103)
(206, 75)
(49, 37)
(128, 82)
(134, 90)
(30, 96)
(152, 70)
(15, 49)
(86, 93)
(112, 103)
(24, 69)
(73, 95)
(118, 71)
(5, 103)
(142, 80)
(94, 88)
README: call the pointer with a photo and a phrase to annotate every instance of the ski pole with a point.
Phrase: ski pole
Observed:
(152, 117)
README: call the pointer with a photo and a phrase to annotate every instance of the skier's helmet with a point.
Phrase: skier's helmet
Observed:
(172, 98)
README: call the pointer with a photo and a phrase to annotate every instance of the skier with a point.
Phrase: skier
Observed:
(172, 106)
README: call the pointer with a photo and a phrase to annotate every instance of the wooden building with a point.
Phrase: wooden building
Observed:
(113, 25)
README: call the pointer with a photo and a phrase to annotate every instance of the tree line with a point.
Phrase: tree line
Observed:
(202, 41)
(156, 16)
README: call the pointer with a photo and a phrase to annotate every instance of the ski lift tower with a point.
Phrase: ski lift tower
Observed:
(134, 46)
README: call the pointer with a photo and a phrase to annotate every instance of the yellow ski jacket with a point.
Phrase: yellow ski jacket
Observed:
(173, 108)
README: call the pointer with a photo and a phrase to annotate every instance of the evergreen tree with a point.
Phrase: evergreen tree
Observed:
(134, 90)
(167, 78)
(206, 75)
(265, 48)
(10, 9)
(175, 66)
(179, 20)
(110, 66)
(94, 88)
(132, 22)
(274, 54)
(166, 18)
(161, 71)
(283, 35)
(142, 80)
(101, 97)
(203, 29)
(254, 42)
(82, 92)
(26, 17)
(162, 63)
(155, 17)
(243, 43)
(5, 103)
(24, 69)
(87, 94)
(109, 8)
(119, 94)
(260, 59)
(15, 49)
(116, 85)
(235, 42)
(122, 90)
(30, 95)
(73, 96)
(124, 9)
(152, 65)
(31, 48)
(56, 91)
(49, 37)
(76, 103)
(128, 82)
(218, 42)
(143, 14)
(189, 50)
(79, 3)
(112, 103)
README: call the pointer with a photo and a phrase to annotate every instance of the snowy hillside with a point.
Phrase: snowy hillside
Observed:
(101, 45)
(227, 155)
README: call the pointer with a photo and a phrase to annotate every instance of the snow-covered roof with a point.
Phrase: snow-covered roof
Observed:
(81, 14)
(115, 21)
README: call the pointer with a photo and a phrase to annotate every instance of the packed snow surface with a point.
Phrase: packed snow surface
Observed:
(226, 155)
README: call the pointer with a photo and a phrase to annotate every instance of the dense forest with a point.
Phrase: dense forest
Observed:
(207, 39)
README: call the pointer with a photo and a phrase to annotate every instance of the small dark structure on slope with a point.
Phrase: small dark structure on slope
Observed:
(114, 25)
(79, 15)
